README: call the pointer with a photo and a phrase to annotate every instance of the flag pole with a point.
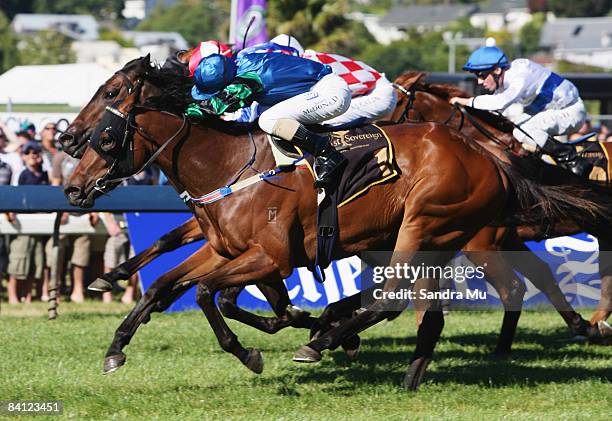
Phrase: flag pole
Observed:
(233, 21)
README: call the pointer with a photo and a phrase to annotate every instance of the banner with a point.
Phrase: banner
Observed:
(574, 261)
(242, 13)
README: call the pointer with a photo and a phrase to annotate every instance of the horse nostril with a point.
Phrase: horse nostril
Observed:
(73, 192)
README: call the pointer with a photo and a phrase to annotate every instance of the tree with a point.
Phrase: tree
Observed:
(11, 7)
(580, 8)
(8, 52)
(319, 25)
(529, 34)
(46, 47)
(102, 9)
(195, 20)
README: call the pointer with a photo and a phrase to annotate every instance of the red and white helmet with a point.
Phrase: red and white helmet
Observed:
(206, 49)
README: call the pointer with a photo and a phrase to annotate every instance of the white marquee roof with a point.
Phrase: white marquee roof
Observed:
(72, 84)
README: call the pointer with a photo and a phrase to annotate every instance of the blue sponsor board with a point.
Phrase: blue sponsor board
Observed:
(573, 261)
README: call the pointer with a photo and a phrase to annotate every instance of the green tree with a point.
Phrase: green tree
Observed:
(102, 9)
(319, 25)
(195, 20)
(529, 34)
(8, 52)
(46, 47)
(581, 8)
(11, 7)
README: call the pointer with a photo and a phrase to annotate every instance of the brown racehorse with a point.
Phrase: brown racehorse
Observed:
(446, 192)
(421, 101)
(500, 275)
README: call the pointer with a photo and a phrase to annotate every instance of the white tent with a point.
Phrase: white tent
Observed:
(72, 84)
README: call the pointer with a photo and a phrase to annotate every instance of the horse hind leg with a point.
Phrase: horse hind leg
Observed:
(511, 292)
(250, 267)
(277, 297)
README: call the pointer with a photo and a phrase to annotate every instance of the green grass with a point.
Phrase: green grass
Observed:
(41, 108)
(176, 370)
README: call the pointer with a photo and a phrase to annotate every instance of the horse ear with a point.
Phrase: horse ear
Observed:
(147, 59)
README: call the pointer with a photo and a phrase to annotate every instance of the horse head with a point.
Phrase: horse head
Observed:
(117, 87)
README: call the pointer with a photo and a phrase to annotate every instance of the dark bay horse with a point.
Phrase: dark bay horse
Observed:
(447, 191)
(421, 101)
(509, 288)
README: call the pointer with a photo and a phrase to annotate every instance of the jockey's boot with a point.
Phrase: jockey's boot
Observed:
(328, 161)
(566, 156)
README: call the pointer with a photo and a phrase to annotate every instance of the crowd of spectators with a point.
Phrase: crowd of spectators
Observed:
(26, 260)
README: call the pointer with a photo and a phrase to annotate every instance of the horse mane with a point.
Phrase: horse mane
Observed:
(174, 96)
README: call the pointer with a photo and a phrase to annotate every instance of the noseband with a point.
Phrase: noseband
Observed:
(121, 127)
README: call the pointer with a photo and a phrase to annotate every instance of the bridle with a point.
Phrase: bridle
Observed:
(119, 125)
(463, 114)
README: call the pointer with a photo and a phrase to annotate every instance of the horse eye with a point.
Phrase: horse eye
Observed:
(110, 94)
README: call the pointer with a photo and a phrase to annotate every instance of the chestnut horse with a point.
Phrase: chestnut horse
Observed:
(421, 101)
(447, 190)
(509, 288)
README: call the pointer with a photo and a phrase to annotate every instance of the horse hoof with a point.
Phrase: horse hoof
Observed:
(296, 313)
(254, 361)
(502, 351)
(351, 347)
(414, 374)
(113, 363)
(100, 285)
(307, 355)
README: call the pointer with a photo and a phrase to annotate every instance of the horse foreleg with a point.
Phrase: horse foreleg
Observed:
(604, 308)
(250, 267)
(184, 234)
(158, 297)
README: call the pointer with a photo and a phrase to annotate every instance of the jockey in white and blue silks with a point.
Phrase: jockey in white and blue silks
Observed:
(551, 105)
(296, 90)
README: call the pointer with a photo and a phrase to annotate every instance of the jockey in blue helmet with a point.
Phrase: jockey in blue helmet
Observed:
(296, 91)
(549, 104)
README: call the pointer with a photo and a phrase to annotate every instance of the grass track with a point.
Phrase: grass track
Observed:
(176, 370)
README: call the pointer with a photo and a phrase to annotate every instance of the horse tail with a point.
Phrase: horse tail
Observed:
(548, 194)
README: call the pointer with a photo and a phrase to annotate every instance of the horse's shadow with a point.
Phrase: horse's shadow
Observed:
(385, 360)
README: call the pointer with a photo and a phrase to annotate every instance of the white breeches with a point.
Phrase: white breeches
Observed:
(370, 107)
(327, 99)
(551, 122)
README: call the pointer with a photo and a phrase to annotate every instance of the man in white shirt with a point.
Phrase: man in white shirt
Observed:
(548, 105)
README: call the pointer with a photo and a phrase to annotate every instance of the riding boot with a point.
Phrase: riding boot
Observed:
(566, 156)
(328, 160)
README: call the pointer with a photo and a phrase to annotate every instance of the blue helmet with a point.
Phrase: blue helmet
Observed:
(211, 75)
(486, 58)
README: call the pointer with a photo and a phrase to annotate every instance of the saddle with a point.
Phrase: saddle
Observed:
(370, 161)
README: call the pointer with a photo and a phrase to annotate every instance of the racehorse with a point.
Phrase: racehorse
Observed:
(421, 101)
(510, 290)
(421, 212)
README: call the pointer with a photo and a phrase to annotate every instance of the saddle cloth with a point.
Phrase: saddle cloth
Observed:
(369, 153)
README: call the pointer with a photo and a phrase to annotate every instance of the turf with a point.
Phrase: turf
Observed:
(176, 370)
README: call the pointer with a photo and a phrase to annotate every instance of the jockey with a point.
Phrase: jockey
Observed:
(551, 105)
(373, 96)
(206, 49)
(297, 92)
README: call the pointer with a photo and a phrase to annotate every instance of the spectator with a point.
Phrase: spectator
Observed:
(47, 140)
(5, 179)
(26, 252)
(62, 168)
(603, 133)
(586, 127)
(12, 159)
(117, 251)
